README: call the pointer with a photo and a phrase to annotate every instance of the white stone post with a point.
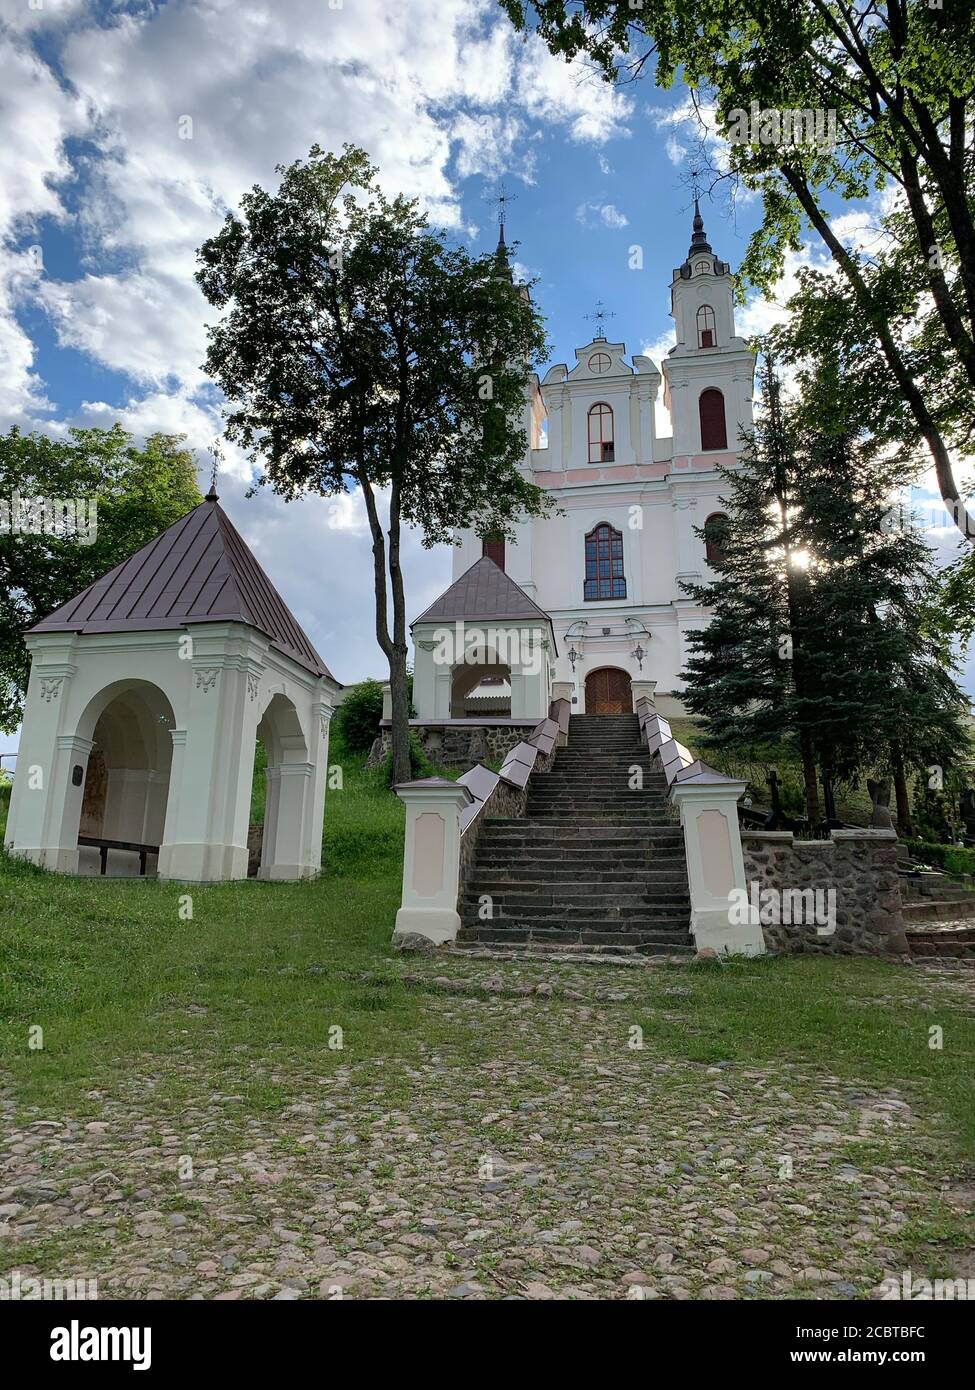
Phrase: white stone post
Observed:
(431, 859)
(387, 701)
(720, 921)
(292, 783)
(315, 817)
(59, 843)
(642, 690)
(563, 690)
(208, 839)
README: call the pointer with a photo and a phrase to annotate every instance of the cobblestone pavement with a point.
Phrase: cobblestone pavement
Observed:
(553, 1160)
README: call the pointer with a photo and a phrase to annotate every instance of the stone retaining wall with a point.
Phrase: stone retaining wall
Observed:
(861, 865)
(454, 745)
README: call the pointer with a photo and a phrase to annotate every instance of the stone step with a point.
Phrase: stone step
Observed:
(602, 828)
(623, 857)
(596, 791)
(597, 806)
(640, 916)
(944, 892)
(504, 875)
(529, 869)
(952, 942)
(573, 760)
(581, 895)
(606, 785)
(544, 820)
(930, 909)
(641, 943)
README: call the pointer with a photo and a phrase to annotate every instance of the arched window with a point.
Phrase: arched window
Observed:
(714, 432)
(604, 564)
(601, 448)
(493, 548)
(714, 529)
(705, 327)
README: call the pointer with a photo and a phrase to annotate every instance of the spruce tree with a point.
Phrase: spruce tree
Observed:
(826, 630)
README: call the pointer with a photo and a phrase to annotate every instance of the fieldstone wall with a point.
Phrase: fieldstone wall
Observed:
(861, 865)
(454, 745)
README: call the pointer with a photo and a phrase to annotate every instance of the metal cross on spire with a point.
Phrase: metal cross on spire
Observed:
(503, 198)
(599, 317)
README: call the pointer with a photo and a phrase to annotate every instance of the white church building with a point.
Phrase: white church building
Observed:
(601, 578)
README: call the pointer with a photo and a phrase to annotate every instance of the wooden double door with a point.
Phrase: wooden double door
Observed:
(608, 692)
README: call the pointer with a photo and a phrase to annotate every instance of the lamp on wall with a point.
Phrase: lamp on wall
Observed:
(573, 656)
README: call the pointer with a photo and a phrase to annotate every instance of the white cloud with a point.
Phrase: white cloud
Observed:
(189, 104)
(438, 91)
(36, 117)
(588, 214)
(554, 90)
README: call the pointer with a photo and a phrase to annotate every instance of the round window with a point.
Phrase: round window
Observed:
(600, 362)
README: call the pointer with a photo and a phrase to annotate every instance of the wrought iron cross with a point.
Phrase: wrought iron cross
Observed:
(599, 317)
(502, 198)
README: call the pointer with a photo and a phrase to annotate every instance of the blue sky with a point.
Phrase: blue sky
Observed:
(105, 321)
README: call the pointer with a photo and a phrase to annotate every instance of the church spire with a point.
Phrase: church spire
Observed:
(699, 241)
(501, 261)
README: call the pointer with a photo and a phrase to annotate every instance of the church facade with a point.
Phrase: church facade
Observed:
(607, 567)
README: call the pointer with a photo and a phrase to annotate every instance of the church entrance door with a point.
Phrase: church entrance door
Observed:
(608, 692)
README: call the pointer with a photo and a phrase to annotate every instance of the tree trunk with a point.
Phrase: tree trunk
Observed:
(398, 689)
(394, 648)
(905, 827)
(809, 778)
(402, 763)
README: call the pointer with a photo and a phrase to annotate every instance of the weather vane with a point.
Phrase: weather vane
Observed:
(599, 317)
(216, 453)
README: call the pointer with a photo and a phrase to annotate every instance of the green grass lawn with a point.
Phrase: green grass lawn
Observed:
(113, 968)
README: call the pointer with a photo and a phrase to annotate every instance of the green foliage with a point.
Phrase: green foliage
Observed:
(897, 80)
(357, 718)
(259, 785)
(951, 858)
(359, 350)
(139, 492)
(420, 764)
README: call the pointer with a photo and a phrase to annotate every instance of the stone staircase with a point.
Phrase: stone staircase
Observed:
(593, 866)
(939, 915)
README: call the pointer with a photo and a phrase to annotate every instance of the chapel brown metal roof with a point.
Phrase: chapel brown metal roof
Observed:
(200, 570)
(486, 592)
